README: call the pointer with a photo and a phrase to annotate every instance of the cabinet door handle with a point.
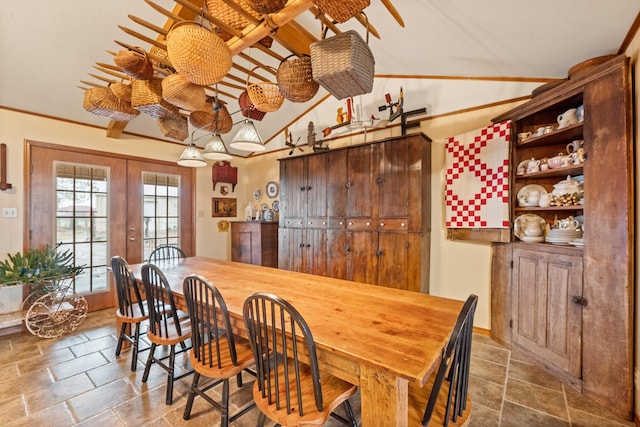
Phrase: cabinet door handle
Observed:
(308, 245)
(379, 180)
(308, 188)
(379, 252)
(303, 188)
(579, 300)
(347, 184)
(347, 248)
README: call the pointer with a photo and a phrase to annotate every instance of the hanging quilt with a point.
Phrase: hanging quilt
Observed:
(477, 178)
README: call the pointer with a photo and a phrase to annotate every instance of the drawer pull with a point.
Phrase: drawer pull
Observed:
(382, 224)
(368, 223)
(579, 300)
(402, 224)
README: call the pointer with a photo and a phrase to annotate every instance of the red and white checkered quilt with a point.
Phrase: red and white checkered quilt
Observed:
(477, 178)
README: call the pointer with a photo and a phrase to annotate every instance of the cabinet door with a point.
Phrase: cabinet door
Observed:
(337, 184)
(243, 244)
(359, 182)
(316, 187)
(290, 245)
(362, 262)
(315, 251)
(547, 323)
(293, 184)
(337, 252)
(392, 260)
(393, 179)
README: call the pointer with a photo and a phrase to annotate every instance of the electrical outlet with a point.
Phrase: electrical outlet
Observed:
(9, 212)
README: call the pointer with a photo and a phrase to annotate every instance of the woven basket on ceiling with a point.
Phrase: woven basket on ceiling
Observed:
(122, 91)
(146, 97)
(343, 64)
(295, 79)
(180, 92)
(205, 118)
(341, 10)
(175, 127)
(160, 59)
(266, 6)
(233, 18)
(248, 109)
(134, 63)
(265, 96)
(198, 54)
(102, 102)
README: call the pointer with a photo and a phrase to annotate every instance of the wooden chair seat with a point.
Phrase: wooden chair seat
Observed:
(137, 314)
(334, 392)
(418, 398)
(170, 335)
(227, 368)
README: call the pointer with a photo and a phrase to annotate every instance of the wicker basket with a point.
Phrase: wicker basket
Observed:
(295, 79)
(146, 97)
(205, 118)
(134, 63)
(175, 127)
(233, 18)
(198, 54)
(122, 91)
(341, 10)
(182, 93)
(160, 59)
(265, 96)
(266, 6)
(343, 64)
(102, 102)
(248, 109)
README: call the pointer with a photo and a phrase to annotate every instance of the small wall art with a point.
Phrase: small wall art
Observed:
(223, 207)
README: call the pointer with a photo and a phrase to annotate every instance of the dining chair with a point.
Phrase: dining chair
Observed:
(166, 327)
(132, 308)
(215, 353)
(290, 389)
(444, 399)
(166, 252)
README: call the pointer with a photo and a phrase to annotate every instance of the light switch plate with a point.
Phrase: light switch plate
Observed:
(9, 212)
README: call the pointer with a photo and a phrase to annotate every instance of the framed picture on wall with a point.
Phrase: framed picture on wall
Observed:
(223, 207)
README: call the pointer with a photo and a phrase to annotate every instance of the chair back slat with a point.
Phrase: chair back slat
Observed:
(212, 337)
(166, 252)
(282, 344)
(454, 366)
(160, 301)
(126, 287)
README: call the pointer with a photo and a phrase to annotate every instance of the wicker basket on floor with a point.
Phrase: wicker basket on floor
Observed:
(265, 96)
(341, 10)
(295, 79)
(146, 97)
(197, 53)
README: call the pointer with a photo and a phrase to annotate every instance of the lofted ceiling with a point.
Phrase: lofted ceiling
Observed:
(446, 55)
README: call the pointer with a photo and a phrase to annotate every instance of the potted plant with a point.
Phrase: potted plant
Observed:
(41, 269)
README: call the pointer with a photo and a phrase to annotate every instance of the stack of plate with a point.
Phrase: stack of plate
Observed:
(563, 237)
(579, 243)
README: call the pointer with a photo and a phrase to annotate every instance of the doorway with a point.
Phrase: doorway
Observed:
(99, 205)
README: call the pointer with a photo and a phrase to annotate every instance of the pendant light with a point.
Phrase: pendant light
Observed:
(215, 149)
(191, 157)
(247, 138)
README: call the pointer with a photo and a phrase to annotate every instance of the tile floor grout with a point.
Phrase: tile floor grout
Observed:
(77, 380)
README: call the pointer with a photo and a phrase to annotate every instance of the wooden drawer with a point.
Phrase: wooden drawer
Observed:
(392, 224)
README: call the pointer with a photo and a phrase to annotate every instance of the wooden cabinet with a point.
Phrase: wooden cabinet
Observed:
(371, 221)
(224, 172)
(547, 308)
(255, 243)
(607, 303)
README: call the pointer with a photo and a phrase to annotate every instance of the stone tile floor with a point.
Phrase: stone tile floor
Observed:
(76, 380)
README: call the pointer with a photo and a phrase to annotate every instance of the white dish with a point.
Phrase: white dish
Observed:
(522, 195)
(527, 217)
(577, 244)
(535, 239)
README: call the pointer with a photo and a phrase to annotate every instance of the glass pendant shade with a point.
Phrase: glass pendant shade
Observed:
(215, 149)
(191, 157)
(247, 138)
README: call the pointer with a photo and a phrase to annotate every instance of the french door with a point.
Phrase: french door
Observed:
(99, 205)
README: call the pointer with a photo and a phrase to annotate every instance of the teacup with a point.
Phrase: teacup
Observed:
(568, 224)
(567, 118)
(540, 131)
(523, 136)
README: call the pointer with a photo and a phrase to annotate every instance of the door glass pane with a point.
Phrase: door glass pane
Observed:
(161, 198)
(81, 221)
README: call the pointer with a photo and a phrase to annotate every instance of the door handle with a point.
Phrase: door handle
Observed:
(579, 300)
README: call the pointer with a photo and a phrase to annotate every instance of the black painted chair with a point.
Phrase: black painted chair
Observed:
(166, 252)
(215, 353)
(166, 327)
(444, 399)
(132, 308)
(289, 388)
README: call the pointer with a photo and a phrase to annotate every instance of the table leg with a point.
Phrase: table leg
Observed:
(384, 398)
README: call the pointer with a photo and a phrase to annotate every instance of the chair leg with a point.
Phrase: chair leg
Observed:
(172, 358)
(192, 395)
(147, 366)
(261, 418)
(239, 379)
(134, 348)
(121, 338)
(224, 416)
(352, 417)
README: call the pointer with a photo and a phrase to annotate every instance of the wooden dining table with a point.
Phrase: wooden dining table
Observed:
(375, 337)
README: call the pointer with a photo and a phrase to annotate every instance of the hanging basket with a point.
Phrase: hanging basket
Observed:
(134, 63)
(233, 18)
(205, 118)
(295, 79)
(343, 64)
(265, 96)
(341, 10)
(102, 102)
(175, 127)
(146, 97)
(199, 55)
(180, 92)
(248, 109)
(266, 6)
(160, 59)
(122, 91)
